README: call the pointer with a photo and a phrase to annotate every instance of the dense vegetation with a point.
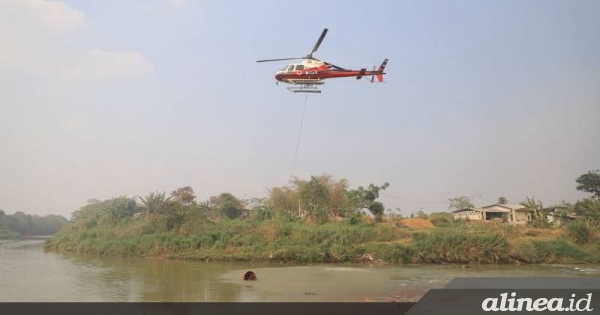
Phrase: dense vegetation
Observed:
(320, 220)
(21, 224)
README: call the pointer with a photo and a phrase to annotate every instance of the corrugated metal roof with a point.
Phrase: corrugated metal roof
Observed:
(495, 208)
(467, 209)
(510, 207)
(498, 210)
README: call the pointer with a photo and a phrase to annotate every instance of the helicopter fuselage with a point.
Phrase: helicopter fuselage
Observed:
(311, 71)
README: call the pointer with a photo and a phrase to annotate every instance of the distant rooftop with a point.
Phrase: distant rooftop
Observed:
(494, 208)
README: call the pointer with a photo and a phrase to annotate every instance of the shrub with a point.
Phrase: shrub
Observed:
(441, 218)
(581, 231)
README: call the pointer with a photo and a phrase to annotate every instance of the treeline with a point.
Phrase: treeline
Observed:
(320, 199)
(281, 223)
(21, 224)
(317, 220)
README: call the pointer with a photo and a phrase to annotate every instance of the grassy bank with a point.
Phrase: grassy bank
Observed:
(7, 234)
(279, 240)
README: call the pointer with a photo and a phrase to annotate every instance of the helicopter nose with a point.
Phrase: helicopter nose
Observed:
(278, 76)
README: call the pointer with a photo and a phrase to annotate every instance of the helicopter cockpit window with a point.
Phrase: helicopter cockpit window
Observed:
(290, 68)
(300, 67)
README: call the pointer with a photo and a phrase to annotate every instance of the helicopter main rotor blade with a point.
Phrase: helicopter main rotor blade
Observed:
(318, 43)
(268, 60)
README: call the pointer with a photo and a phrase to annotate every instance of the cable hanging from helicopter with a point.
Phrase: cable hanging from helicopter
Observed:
(310, 73)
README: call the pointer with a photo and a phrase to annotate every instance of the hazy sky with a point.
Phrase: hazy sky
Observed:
(103, 98)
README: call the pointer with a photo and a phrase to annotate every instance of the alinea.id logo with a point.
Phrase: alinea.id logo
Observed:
(514, 304)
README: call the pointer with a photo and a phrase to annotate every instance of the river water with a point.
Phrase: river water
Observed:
(28, 274)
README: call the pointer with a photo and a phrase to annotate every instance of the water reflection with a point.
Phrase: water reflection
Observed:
(157, 280)
(29, 274)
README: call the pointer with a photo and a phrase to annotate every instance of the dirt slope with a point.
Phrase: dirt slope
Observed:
(417, 223)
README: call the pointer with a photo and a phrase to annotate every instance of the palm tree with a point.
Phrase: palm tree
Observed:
(154, 203)
(205, 205)
(591, 211)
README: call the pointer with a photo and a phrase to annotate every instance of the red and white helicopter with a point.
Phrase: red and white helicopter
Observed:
(311, 72)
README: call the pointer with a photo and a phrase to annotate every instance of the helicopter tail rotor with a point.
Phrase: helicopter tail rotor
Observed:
(380, 70)
(373, 77)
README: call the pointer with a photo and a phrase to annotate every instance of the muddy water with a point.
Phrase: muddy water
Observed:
(29, 274)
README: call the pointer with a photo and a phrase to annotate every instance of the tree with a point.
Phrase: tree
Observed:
(120, 207)
(376, 208)
(287, 199)
(262, 212)
(227, 205)
(89, 213)
(590, 182)
(184, 195)
(283, 199)
(314, 199)
(155, 203)
(205, 206)
(537, 212)
(589, 209)
(462, 202)
(362, 198)
(502, 200)
(337, 193)
(26, 224)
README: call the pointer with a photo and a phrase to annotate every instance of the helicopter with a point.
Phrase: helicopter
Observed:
(310, 73)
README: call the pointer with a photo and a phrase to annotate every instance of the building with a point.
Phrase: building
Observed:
(560, 215)
(469, 214)
(513, 214)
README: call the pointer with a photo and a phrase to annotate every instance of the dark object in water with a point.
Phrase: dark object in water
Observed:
(249, 275)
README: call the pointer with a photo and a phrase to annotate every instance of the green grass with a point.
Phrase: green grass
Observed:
(457, 246)
(290, 241)
(553, 251)
(581, 232)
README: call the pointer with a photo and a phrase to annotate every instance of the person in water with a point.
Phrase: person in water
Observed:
(249, 275)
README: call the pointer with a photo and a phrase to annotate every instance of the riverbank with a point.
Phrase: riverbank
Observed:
(8, 235)
(38, 276)
(335, 242)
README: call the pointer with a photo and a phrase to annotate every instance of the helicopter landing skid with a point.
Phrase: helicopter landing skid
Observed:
(305, 88)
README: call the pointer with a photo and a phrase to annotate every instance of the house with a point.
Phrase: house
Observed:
(517, 214)
(513, 214)
(560, 215)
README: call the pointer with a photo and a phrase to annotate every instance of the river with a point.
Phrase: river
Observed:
(28, 274)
